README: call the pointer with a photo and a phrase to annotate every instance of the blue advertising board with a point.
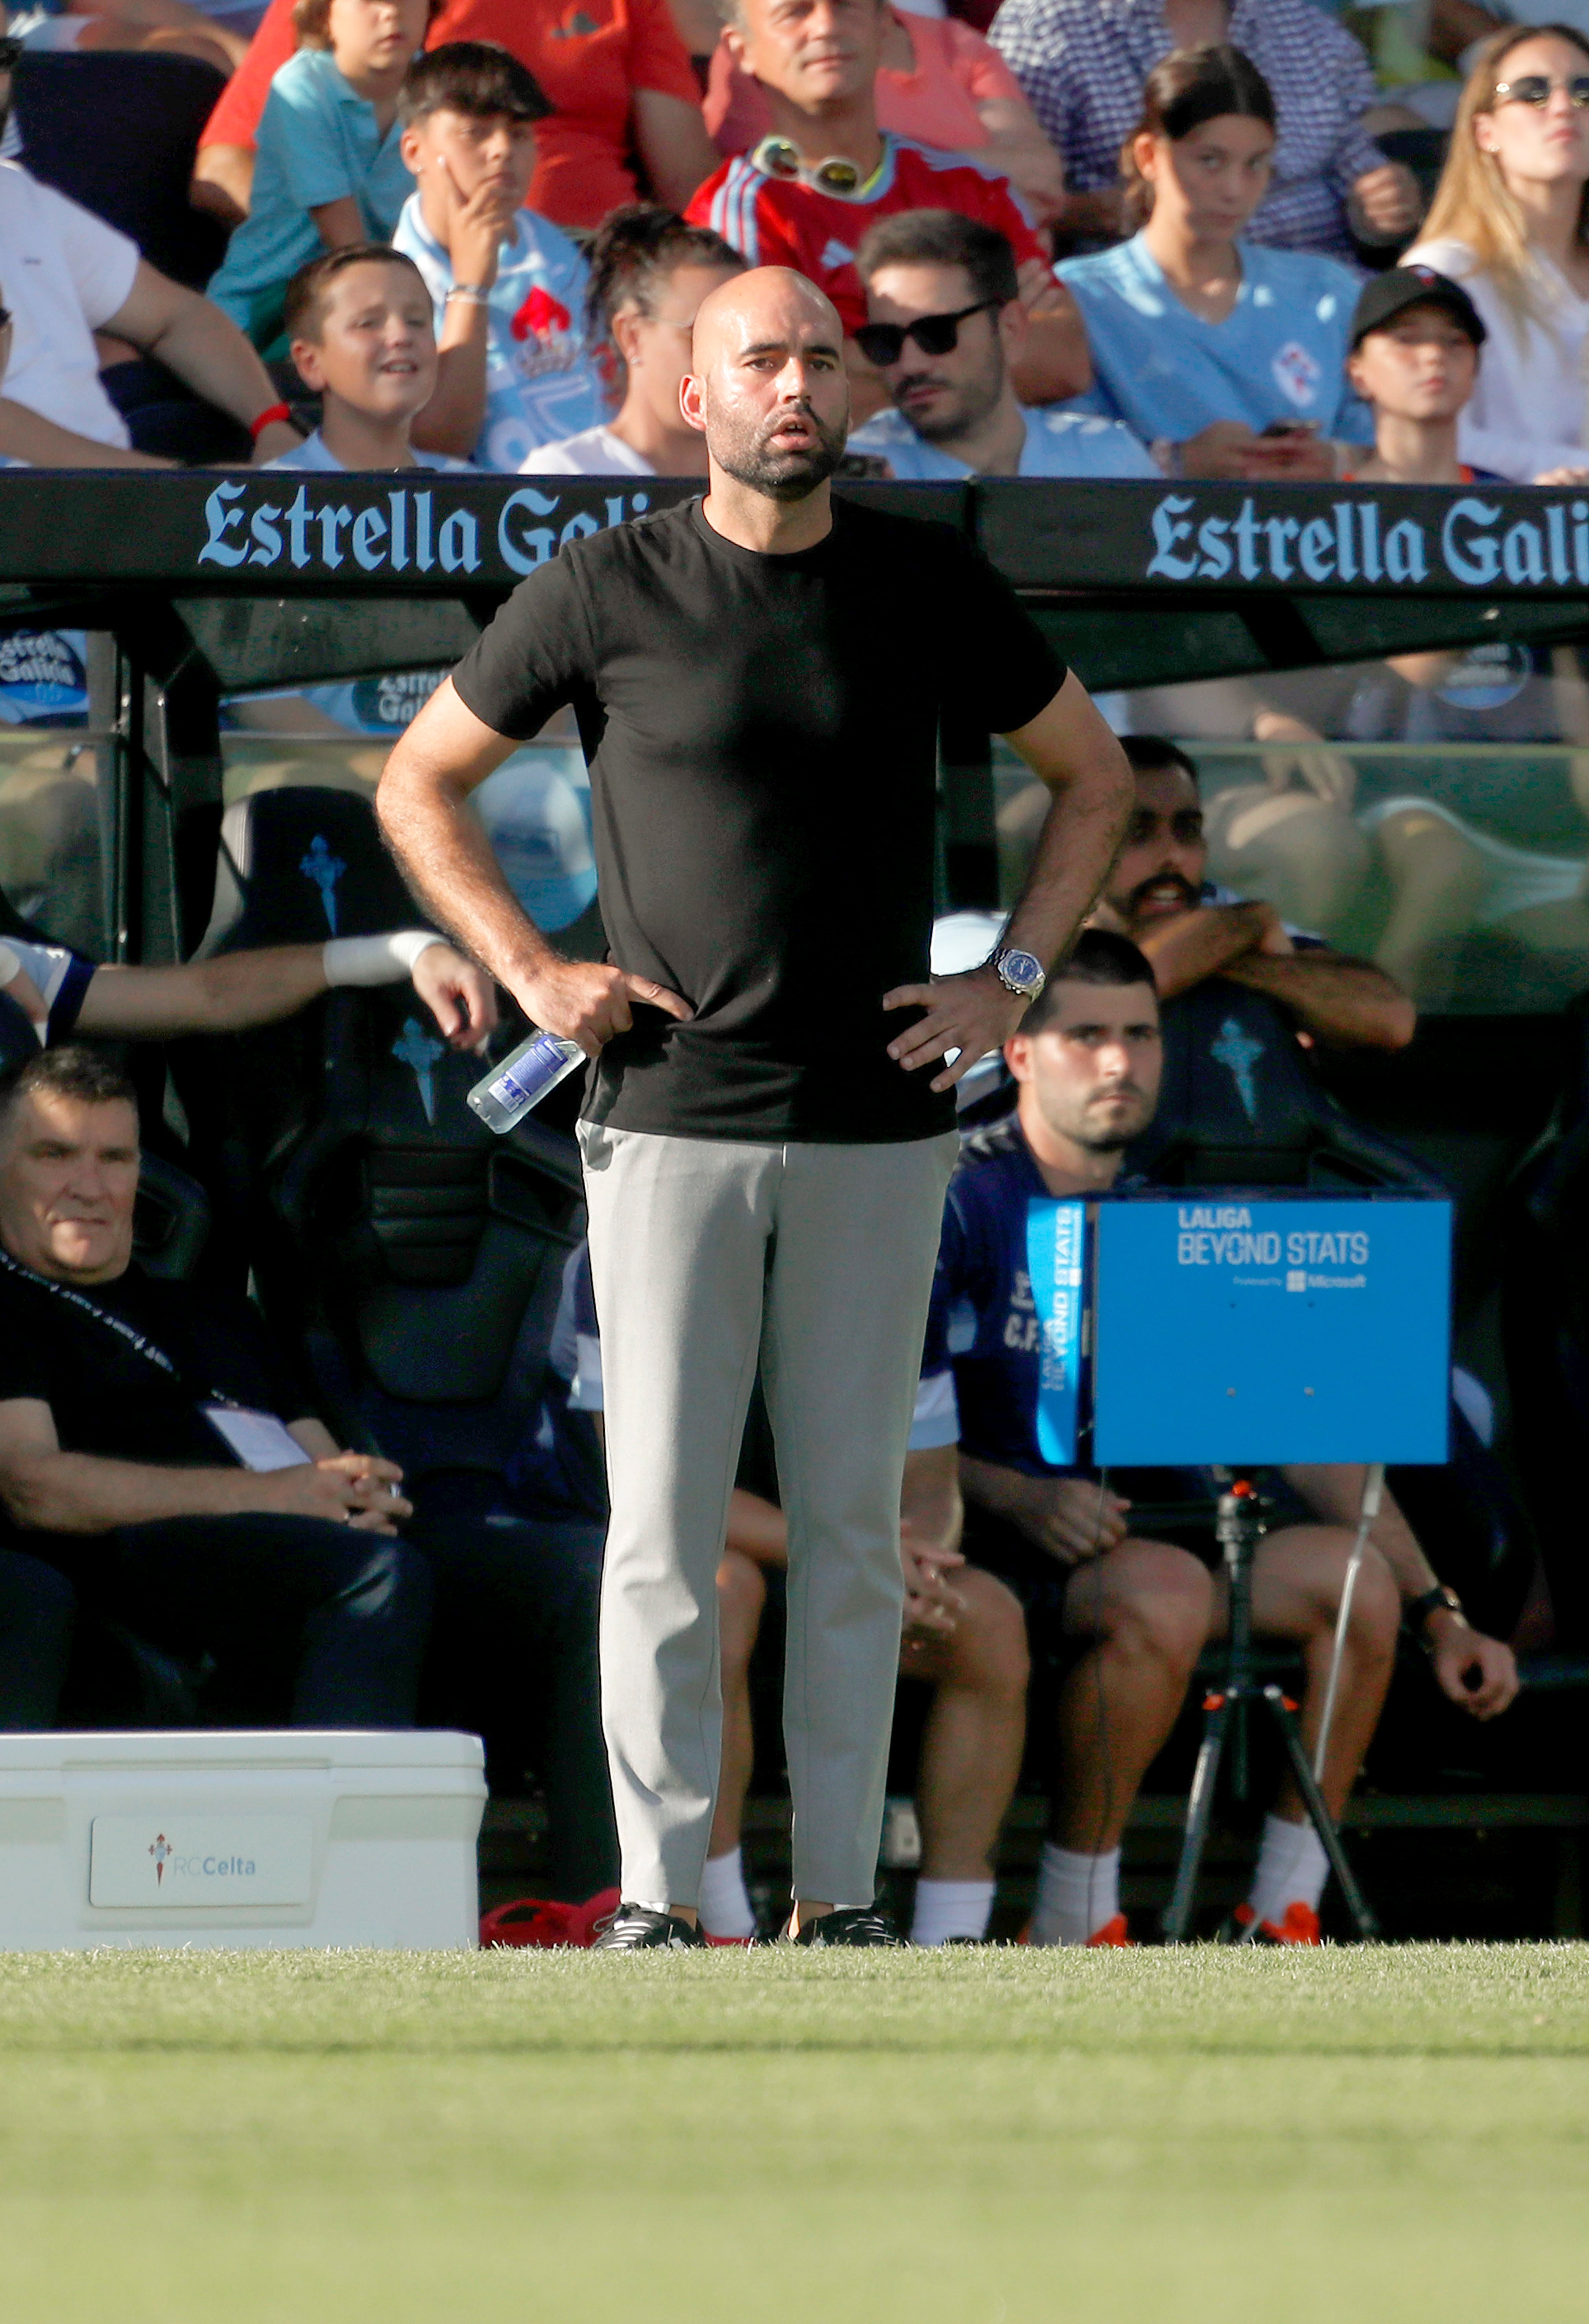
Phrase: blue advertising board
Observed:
(1056, 1243)
(1234, 1331)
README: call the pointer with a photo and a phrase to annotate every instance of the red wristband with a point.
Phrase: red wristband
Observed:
(268, 417)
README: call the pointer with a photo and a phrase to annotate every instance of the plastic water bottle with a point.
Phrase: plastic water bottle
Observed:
(536, 1066)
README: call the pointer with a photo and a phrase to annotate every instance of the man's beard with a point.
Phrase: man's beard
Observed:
(968, 408)
(779, 476)
(1130, 910)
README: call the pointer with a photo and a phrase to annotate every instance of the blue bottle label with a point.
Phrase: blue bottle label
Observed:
(533, 1073)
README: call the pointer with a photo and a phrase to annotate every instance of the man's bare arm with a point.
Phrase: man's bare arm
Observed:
(1203, 942)
(444, 755)
(243, 989)
(1069, 747)
(47, 1490)
(931, 1512)
(1345, 1003)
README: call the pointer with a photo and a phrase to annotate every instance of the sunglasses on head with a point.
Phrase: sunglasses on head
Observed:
(883, 343)
(1534, 88)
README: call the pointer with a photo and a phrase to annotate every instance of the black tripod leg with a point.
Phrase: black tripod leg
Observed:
(1199, 1810)
(1319, 1814)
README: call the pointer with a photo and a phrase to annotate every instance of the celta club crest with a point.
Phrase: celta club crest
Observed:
(415, 1048)
(163, 1851)
(325, 870)
(1239, 1052)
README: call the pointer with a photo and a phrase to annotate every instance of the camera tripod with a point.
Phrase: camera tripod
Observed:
(1240, 1529)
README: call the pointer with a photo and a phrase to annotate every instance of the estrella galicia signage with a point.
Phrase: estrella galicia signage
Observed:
(273, 533)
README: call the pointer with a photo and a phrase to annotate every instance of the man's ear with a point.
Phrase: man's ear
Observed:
(1017, 1056)
(734, 41)
(1013, 326)
(692, 402)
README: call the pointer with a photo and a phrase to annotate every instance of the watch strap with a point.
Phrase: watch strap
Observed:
(1416, 1610)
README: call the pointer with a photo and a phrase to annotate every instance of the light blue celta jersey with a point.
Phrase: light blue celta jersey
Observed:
(1280, 355)
(1060, 442)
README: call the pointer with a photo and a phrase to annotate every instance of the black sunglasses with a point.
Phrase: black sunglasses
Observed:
(1534, 89)
(883, 343)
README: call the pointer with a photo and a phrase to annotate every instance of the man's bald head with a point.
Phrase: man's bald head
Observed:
(766, 385)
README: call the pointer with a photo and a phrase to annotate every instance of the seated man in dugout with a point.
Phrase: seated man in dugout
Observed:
(1115, 1619)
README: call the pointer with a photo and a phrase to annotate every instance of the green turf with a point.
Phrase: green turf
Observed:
(294, 2138)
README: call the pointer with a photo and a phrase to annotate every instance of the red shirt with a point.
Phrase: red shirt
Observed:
(588, 55)
(785, 222)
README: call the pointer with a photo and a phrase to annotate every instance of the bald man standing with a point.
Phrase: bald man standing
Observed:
(768, 1129)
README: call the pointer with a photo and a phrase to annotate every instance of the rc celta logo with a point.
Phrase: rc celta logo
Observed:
(160, 1849)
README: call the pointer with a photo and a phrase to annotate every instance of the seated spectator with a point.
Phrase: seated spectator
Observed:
(331, 171)
(1226, 355)
(1157, 895)
(807, 195)
(946, 329)
(961, 1637)
(940, 83)
(1117, 1617)
(626, 117)
(509, 287)
(649, 272)
(1084, 64)
(1414, 360)
(1508, 221)
(154, 1449)
(358, 322)
(49, 993)
(67, 275)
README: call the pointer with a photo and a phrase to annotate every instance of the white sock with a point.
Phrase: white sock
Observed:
(1292, 1869)
(1077, 1895)
(950, 1908)
(725, 1902)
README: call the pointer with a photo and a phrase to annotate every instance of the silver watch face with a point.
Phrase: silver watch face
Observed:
(1022, 970)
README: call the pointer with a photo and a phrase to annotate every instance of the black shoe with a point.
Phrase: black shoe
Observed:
(852, 1924)
(637, 1929)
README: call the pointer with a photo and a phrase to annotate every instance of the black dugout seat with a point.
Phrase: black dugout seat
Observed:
(118, 133)
(1241, 1106)
(1545, 1314)
(413, 1258)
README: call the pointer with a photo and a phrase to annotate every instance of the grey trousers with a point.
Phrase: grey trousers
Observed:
(707, 1254)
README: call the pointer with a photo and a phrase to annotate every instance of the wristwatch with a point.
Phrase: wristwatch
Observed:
(1416, 1610)
(1020, 973)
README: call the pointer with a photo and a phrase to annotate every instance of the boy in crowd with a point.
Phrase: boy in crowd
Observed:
(1414, 360)
(1119, 1618)
(330, 172)
(359, 325)
(509, 287)
(947, 330)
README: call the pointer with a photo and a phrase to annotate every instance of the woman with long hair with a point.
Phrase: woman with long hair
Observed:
(649, 272)
(1225, 355)
(1510, 221)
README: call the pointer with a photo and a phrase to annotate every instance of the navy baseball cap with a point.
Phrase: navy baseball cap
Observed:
(1386, 296)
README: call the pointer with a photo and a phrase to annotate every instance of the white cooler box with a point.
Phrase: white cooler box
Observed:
(292, 1837)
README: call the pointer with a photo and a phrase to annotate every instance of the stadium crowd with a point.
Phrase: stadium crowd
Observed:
(1087, 238)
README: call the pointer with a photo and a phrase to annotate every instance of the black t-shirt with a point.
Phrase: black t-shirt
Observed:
(762, 732)
(109, 1398)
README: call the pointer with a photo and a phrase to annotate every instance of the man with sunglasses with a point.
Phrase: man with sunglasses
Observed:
(808, 193)
(947, 330)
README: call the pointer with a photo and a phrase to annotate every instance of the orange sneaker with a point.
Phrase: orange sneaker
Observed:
(1297, 1925)
(1113, 1932)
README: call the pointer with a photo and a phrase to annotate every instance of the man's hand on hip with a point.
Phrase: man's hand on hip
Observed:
(588, 1001)
(971, 1013)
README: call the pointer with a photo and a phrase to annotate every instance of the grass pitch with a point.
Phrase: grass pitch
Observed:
(298, 2138)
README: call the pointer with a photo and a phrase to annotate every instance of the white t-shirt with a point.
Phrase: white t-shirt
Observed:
(597, 452)
(63, 273)
(1528, 411)
(316, 455)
